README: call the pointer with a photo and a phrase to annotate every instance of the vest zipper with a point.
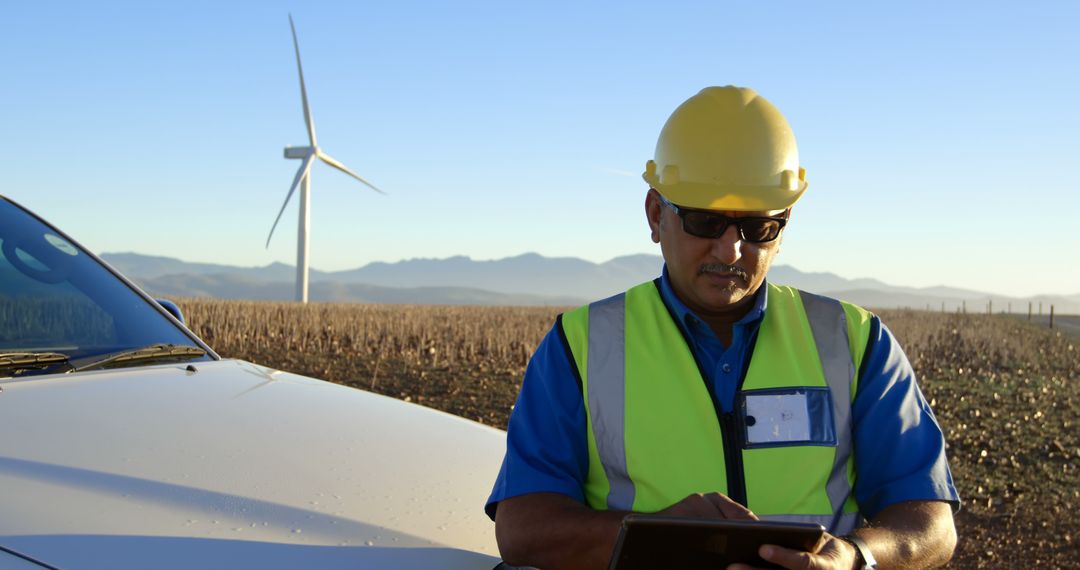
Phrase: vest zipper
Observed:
(736, 479)
(733, 433)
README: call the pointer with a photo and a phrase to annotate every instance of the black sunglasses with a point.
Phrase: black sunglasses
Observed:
(710, 225)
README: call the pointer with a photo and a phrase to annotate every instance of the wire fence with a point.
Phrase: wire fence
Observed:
(1035, 313)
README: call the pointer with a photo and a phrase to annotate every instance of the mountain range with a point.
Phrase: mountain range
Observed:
(528, 279)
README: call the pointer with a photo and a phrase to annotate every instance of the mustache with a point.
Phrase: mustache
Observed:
(723, 268)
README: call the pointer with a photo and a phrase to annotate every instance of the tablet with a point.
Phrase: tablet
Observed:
(648, 542)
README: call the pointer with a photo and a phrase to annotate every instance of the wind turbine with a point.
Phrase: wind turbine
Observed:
(307, 155)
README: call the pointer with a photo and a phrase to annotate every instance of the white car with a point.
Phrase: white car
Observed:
(126, 442)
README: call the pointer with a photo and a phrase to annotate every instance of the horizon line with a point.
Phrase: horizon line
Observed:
(989, 295)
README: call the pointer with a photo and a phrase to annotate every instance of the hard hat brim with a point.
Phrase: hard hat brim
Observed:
(731, 198)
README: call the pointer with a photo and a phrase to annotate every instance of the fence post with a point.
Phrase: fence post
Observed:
(943, 306)
(1040, 308)
(963, 307)
(990, 307)
(1009, 312)
(1051, 316)
(1029, 311)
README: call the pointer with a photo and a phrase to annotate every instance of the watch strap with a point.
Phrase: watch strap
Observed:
(868, 561)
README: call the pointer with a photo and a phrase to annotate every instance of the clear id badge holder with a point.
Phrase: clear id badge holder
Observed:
(787, 416)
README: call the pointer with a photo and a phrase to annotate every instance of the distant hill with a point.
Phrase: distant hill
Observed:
(234, 286)
(528, 273)
(151, 267)
(528, 279)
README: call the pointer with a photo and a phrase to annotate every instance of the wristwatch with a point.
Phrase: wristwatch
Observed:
(867, 557)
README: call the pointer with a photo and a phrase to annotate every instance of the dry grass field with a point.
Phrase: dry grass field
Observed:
(1004, 391)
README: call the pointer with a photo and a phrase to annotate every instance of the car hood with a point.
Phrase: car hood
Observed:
(234, 464)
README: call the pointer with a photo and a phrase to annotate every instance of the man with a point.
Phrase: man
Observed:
(711, 393)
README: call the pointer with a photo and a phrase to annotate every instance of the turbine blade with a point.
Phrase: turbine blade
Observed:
(330, 160)
(305, 166)
(308, 121)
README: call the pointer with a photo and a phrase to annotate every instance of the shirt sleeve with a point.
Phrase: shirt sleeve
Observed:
(546, 447)
(899, 447)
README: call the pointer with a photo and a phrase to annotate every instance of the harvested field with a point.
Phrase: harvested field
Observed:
(1005, 392)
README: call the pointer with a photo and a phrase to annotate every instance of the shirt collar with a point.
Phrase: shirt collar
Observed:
(686, 316)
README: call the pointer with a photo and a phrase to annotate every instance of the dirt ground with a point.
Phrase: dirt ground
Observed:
(1004, 391)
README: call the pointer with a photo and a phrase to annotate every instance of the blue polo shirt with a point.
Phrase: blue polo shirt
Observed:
(898, 446)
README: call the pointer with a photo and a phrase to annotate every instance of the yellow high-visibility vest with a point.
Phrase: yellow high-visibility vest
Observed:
(655, 434)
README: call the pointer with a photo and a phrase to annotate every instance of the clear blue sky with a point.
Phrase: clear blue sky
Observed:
(941, 139)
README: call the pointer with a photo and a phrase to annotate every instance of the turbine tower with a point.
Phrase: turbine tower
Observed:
(307, 155)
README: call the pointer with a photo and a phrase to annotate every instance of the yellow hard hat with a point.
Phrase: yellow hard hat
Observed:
(727, 148)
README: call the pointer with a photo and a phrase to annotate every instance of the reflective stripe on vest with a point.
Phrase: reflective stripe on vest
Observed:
(829, 325)
(601, 327)
(607, 370)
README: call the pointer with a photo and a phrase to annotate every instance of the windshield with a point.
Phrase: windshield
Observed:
(54, 298)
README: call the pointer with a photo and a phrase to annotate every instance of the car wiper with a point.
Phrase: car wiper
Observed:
(152, 352)
(15, 363)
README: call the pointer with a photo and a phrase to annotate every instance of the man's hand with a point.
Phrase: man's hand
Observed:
(832, 553)
(709, 506)
(911, 535)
